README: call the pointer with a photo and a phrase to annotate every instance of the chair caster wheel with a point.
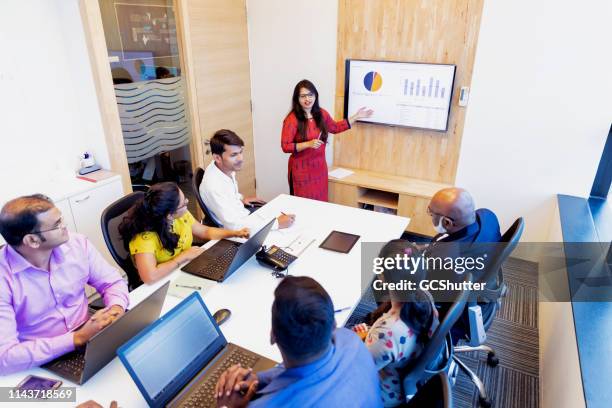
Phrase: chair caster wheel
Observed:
(492, 360)
(485, 402)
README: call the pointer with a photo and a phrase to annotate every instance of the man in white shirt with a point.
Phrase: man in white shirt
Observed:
(219, 189)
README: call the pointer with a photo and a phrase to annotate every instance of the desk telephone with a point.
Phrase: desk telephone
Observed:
(274, 257)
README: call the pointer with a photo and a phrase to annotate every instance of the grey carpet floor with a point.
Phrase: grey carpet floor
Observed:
(514, 383)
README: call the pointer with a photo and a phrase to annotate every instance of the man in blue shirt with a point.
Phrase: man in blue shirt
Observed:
(322, 366)
(463, 231)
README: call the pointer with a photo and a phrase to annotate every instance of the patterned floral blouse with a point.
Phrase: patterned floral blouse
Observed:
(392, 343)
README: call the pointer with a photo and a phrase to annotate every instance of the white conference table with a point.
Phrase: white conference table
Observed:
(249, 292)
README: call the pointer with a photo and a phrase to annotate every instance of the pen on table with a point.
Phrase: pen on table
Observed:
(342, 310)
(306, 247)
(188, 286)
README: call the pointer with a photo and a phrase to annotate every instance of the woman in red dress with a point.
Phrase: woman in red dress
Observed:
(305, 131)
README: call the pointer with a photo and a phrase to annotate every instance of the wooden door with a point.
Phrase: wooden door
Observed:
(216, 55)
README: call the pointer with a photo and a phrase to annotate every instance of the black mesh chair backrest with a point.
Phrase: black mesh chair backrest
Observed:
(197, 180)
(494, 277)
(513, 235)
(502, 250)
(110, 220)
(416, 373)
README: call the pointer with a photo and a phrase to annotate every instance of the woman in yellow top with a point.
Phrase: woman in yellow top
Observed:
(158, 232)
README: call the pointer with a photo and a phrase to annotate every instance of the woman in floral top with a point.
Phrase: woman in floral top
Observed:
(405, 325)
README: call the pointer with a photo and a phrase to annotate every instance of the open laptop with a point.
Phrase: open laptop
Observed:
(80, 365)
(223, 258)
(177, 360)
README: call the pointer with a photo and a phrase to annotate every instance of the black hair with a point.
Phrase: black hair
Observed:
(224, 137)
(302, 317)
(151, 214)
(162, 72)
(297, 110)
(19, 217)
(417, 310)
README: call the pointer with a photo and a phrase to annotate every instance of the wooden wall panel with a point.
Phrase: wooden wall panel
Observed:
(216, 45)
(416, 208)
(436, 31)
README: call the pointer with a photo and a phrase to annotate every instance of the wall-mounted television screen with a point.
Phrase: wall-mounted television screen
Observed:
(406, 94)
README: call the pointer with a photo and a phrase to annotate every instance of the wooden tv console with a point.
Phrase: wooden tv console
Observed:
(408, 196)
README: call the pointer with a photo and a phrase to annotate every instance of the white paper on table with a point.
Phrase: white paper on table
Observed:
(185, 285)
(294, 244)
(340, 173)
(299, 245)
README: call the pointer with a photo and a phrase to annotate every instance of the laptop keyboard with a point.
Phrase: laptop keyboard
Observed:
(72, 364)
(204, 394)
(216, 270)
(366, 304)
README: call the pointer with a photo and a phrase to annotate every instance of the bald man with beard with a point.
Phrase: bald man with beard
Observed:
(463, 231)
(455, 218)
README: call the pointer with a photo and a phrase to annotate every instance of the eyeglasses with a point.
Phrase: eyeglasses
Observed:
(307, 96)
(60, 225)
(432, 213)
(182, 207)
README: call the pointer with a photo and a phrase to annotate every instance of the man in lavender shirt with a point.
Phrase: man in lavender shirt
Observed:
(43, 272)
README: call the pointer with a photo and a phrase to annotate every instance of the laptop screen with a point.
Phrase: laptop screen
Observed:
(249, 248)
(166, 351)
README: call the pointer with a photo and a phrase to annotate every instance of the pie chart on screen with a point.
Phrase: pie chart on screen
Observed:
(372, 81)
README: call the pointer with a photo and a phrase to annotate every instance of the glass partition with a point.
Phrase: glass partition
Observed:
(144, 59)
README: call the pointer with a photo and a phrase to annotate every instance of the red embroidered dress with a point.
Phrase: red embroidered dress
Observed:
(308, 169)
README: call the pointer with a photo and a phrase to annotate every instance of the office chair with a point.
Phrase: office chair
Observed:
(436, 393)
(493, 293)
(195, 182)
(110, 220)
(141, 187)
(428, 364)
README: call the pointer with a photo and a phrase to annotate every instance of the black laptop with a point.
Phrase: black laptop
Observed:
(80, 365)
(223, 258)
(177, 361)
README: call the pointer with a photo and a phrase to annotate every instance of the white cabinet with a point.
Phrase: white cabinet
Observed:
(87, 208)
(64, 207)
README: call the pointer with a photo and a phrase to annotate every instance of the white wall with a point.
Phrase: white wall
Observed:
(540, 107)
(48, 107)
(289, 40)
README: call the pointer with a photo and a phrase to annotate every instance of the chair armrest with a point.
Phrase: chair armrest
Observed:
(478, 335)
